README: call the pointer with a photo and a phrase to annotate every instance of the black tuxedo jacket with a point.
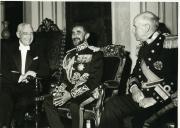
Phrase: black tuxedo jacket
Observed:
(11, 63)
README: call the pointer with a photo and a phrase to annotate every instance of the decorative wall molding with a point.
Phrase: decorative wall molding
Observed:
(36, 11)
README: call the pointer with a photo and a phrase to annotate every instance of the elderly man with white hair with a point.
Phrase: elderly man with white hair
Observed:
(19, 61)
(153, 80)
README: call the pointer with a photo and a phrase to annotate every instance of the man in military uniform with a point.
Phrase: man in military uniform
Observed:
(154, 78)
(82, 75)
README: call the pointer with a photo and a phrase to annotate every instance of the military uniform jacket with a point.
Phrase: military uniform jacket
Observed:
(83, 71)
(155, 71)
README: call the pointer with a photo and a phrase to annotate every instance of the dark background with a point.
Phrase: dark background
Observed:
(97, 15)
(14, 15)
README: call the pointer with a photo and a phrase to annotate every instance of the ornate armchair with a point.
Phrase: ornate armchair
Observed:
(117, 67)
(51, 43)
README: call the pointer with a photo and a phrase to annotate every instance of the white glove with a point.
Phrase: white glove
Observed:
(147, 102)
(30, 73)
(137, 94)
(23, 77)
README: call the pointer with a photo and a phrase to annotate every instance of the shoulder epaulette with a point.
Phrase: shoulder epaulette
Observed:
(71, 50)
(170, 42)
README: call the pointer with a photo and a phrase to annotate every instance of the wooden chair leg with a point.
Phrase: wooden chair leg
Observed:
(81, 117)
(88, 123)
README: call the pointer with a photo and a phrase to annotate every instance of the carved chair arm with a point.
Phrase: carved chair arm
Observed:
(98, 95)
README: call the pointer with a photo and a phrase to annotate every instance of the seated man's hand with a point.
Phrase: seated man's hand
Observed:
(147, 102)
(22, 78)
(137, 94)
(60, 100)
(30, 73)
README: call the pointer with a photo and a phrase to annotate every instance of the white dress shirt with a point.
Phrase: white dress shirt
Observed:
(23, 50)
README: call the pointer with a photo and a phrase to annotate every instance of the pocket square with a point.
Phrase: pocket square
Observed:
(35, 58)
(15, 71)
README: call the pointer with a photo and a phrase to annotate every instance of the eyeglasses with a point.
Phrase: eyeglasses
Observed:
(26, 33)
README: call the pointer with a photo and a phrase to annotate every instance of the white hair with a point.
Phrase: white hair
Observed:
(150, 18)
(21, 27)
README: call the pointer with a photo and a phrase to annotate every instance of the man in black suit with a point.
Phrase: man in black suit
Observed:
(19, 61)
(82, 75)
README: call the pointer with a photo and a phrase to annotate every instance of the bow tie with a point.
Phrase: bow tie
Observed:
(24, 48)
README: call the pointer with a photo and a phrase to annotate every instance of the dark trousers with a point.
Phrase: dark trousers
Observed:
(6, 108)
(54, 115)
(14, 104)
(119, 107)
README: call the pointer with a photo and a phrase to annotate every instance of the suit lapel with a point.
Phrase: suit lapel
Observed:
(29, 60)
(17, 59)
(16, 54)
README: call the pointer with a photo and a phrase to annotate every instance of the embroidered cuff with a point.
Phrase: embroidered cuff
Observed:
(79, 90)
(132, 81)
(62, 87)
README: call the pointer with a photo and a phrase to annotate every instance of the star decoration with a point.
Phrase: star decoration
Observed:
(81, 67)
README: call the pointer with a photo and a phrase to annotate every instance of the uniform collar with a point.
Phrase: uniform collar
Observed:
(153, 37)
(82, 46)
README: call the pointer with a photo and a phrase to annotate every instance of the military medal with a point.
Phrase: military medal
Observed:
(158, 65)
(80, 67)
